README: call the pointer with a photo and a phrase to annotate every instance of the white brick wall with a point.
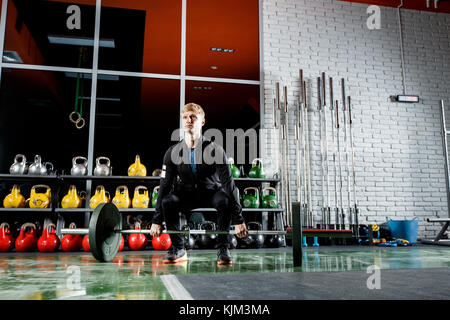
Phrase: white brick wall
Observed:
(398, 148)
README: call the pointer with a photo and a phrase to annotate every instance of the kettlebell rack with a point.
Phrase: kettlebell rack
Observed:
(58, 181)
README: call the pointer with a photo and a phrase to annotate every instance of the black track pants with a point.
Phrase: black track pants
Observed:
(179, 201)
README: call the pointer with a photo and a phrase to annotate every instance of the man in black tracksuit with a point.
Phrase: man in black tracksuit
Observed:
(205, 180)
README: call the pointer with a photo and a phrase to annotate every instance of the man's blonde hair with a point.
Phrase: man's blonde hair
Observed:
(194, 108)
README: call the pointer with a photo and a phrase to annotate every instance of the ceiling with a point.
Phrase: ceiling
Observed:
(443, 5)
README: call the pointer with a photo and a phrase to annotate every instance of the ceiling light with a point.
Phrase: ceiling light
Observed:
(89, 76)
(80, 41)
(202, 88)
(11, 57)
(222, 50)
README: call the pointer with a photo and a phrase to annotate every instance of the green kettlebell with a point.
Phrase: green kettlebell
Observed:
(155, 196)
(235, 172)
(251, 197)
(269, 198)
(257, 170)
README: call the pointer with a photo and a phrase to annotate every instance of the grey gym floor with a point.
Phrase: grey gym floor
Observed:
(349, 272)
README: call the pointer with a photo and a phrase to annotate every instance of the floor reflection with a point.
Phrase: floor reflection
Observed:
(137, 276)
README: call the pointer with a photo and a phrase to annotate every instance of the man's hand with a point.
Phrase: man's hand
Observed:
(155, 230)
(241, 230)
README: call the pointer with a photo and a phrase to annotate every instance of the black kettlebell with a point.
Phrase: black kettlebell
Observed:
(207, 241)
(274, 241)
(257, 241)
(189, 240)
(232, 240)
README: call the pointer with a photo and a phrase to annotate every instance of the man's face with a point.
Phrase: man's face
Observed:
(192, 122)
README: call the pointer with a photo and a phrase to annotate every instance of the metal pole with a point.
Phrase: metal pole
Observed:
(350, 218)
(303, 142)
(298, 149)
(339, 163)
(356, 209)
(445, 151)
(308, 161)
(336, 210)
(286, 111)
(281, 153)
(327, 169)
(322, 162)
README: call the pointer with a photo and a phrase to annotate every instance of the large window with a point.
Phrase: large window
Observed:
(127, 67)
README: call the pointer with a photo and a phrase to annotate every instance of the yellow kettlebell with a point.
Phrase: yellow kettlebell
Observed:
(140, 198)
(98, 197)
(122, 198)
(137, 168)
(71, 199)
(14, 199)
(40, 199)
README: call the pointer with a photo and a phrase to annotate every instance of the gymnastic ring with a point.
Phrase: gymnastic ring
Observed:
(79, 126)
(71, 116)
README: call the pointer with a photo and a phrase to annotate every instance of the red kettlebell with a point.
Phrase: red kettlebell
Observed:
(71, 242)
(122, 243)
(49, 241)
(6, 238)
(137, 241)
(163, 242)
(85, 243)
(26, 241)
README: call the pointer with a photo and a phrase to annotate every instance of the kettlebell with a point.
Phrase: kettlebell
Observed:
(235, 172)
(189, 240)
(26, 241)
(137, 241)
(71, 242)
(14, 199)
(257, 170)
(163, 242)
(257, 240)
(98, 198)
(39, 199)
(79, 166)
(233, 240)
(155, 196)
(140, 197)
(122, 243)
(269, 198)
(122, 198)
(207, 241)
(102, 167)
(20, 165)
(6, 238)
(85, 243)
(48, 241)
(251, 197)
(137, 168)
(40, 168)
(71, 199)
(275, 241)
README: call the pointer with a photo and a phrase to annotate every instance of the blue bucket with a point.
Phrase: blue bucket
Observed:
(404, 229)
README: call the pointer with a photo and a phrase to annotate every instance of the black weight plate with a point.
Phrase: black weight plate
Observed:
(104, 242)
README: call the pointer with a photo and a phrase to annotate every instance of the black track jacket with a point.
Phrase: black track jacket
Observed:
(213, 172)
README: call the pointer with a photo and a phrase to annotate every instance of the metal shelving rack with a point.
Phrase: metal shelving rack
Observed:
(445, 221)
(58, 180)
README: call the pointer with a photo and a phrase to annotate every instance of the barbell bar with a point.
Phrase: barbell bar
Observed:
(105, 228)
(186, 232)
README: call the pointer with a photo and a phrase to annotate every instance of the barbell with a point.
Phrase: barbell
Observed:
(105, 228)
